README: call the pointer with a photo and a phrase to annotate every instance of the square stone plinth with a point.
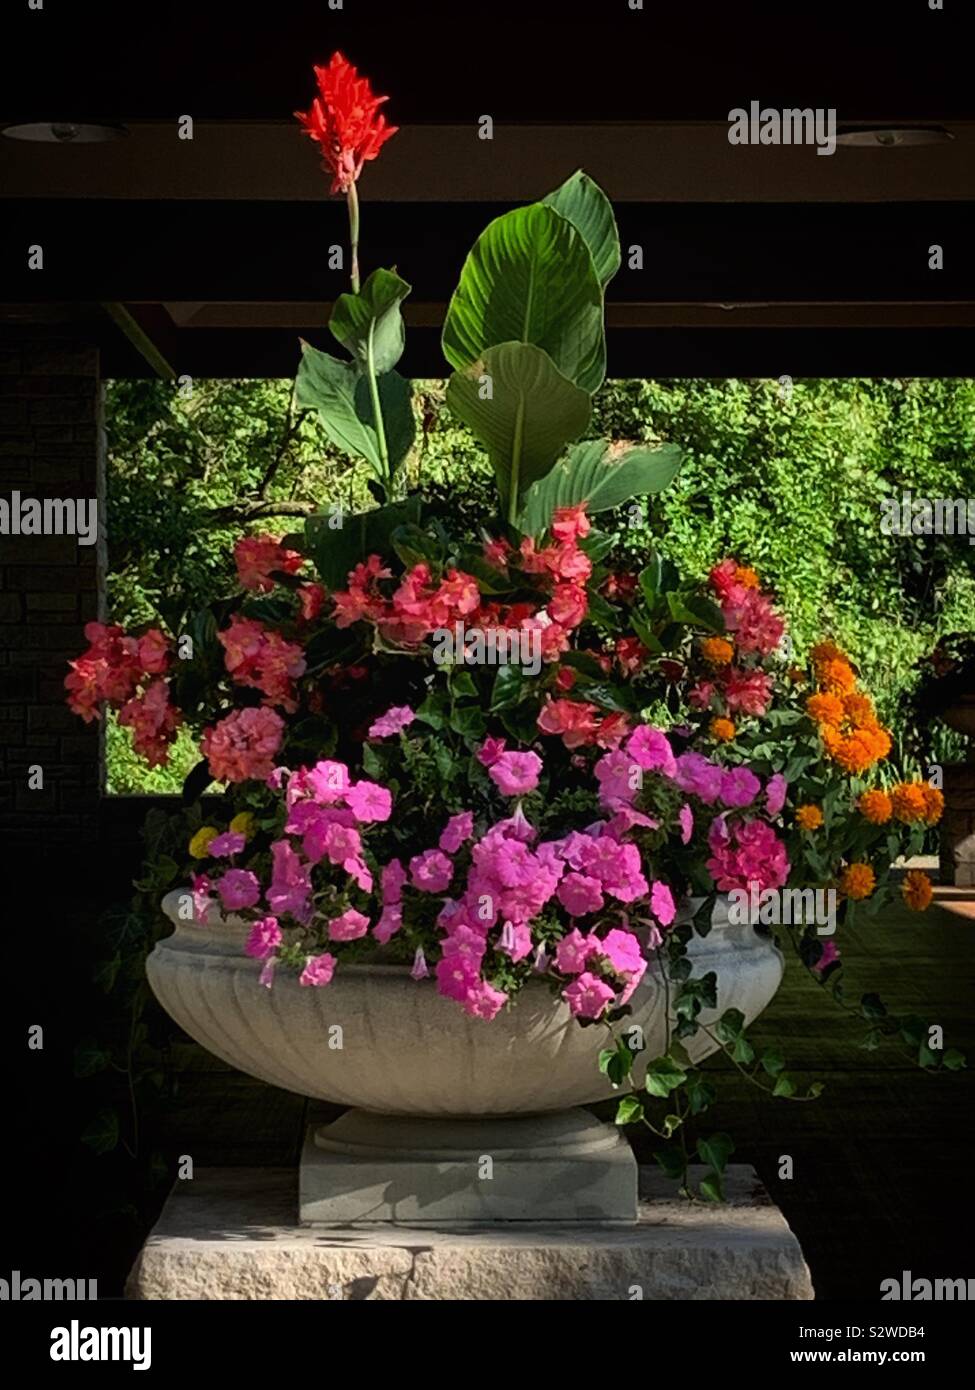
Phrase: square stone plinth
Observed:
(231, 1233)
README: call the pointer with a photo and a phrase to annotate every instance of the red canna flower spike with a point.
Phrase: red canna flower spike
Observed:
(345, 120)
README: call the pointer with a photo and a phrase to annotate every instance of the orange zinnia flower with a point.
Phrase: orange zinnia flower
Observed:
(934, 803)
(809, 817)
(917, 891)
(717, 651)
(858, 881)
(825, 708)
(908, 802)
(722, 729)
(875, 806)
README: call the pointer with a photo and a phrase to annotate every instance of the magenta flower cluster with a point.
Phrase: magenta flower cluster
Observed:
(586, 907)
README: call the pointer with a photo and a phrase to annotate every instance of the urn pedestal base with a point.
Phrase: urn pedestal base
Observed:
(231, 1234)
(559, 1168)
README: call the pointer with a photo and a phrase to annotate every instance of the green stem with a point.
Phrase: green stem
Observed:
(352, 197)
(377, 414)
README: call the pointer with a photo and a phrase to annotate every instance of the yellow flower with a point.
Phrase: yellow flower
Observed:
(858, 881)
(809, 817)
(722, 729)
(916, 890)
(875, 806)
(245, 823)
(200, 843)
(717, 651)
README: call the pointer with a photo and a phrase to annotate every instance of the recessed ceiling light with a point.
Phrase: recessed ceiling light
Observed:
(888, 136)
(66, 132)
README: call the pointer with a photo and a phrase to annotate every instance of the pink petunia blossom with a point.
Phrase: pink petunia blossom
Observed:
(392, 877)
(739, 786)
(685, 819)
(264, 939)
(390, 921)
(662, 903)
(573, 951)
(318, 970)
(695, 775)
(238, 888)
(394, 721)
(650, 748)
(349, 927)
(431, 871)
(223, 846)
(515, 774)
(369, 802)
(580, 894)
(458, 829)
(775, 794)
(484, 1001)
(588, 996)
(490, 751)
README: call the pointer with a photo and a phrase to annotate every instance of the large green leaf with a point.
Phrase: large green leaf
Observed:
(369, 324)
(336, 549)
(586, 206)
(525, 422)
(530, 278)
(595, 472)
(341, 396)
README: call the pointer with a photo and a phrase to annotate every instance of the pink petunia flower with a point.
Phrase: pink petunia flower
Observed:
(515, 774)
(394, 721)
(318, 970)
(349, 927)
(588, 996)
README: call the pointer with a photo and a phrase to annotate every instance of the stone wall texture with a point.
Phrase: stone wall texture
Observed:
(49, 447)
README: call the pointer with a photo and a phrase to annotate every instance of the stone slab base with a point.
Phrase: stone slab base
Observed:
(229, 1233)
(567, 1166)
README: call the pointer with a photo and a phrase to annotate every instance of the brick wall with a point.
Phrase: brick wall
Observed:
(49, 447)
(957, 827)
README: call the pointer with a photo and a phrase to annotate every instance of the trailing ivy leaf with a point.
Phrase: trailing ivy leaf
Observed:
(434, 710)
(954, 1060)
(629, 1111)
(743, 1053)
(671, 1124)
(815, 1090)
(716, 1150)
(701, 1095)
(663, 1076)
(586, 206)
(729, 1025)
(370, 324)
(712, 1189)
(616, 1062)
(105, 972)
(461, 683)
(90, 1057)
(102, 1132)
(772, 1061)
(784, 1086)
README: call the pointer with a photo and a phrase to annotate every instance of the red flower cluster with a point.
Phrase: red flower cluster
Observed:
(111, 672)
(264, 660)
(420, 605)
(754, 630)
(748, 613)
(258, 557)
(577, 722)
(345, 120)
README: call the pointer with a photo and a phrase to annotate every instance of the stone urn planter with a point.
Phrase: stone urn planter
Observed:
(454, 1119)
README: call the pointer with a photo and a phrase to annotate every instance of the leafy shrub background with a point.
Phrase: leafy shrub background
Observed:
(790, 482)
